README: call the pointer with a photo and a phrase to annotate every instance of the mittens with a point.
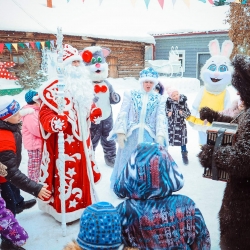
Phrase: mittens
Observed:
(160, 140)
(59, 123)
(208, 114)
(95, 115)
(3, 170)
(121, 138)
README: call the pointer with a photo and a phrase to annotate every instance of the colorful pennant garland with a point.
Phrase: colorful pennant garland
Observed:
(161, 2)
(133, 2)
(48, 44)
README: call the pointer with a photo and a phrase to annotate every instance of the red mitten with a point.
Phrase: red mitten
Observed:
(95, 115)
(59, 123)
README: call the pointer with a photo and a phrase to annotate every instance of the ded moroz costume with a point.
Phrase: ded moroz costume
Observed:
(81, 172)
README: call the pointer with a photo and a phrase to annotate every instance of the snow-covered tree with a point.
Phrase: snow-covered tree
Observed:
(239, 31)
(30, 75)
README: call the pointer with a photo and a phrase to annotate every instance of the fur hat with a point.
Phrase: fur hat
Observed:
(241, 77)
(171, 90)
(148, 74)
(8, 107)
(29, 96)
(70, 54)
(100, 227)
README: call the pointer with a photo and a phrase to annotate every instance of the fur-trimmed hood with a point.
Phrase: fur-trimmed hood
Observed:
(150, 173)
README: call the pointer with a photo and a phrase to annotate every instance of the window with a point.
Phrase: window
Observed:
(18, 59)
(182, 58)
(149, 52)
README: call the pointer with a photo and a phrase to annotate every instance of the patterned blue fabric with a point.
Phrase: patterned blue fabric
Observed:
(142, 118)
(150, 173)
(149, 72)
(100, 227)
(124, 154)
(152, 217)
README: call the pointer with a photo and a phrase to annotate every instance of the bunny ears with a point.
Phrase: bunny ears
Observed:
(226, 48)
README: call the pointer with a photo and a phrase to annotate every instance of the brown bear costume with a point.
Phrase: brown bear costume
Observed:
(234, 214)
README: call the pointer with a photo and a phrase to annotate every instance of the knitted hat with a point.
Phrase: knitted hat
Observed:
(171, 90)
(70, 54)
(148, 74)
(8, 107)
(29, 96)
(100, 227)
(241, 77)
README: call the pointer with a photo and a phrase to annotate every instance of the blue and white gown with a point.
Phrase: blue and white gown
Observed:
(142, 118)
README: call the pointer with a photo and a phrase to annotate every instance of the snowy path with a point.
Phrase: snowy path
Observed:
(45, 233)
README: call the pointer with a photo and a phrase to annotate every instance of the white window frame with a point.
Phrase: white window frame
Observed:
(182, 58)
(197, 60)
(150, 47)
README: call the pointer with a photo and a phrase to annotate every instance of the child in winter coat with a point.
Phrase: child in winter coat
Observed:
(177, 111)
(12, 234)
(151, 216)
(235, 109)
(100, 228)
(10, 156)
(31, 135)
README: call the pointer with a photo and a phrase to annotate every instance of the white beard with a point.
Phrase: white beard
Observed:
(80, 86)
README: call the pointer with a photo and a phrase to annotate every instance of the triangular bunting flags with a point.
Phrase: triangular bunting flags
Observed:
(21, 45)
(173, 1)
(147, 3)
(133, 2)
(27, 44)
(187, 2)
(38, 45)
(52, 43)
(100, 2)
(1, 47)
(47, 44)
(8, 45)
(32, 44)
(211, 1)
(161, 2)
(43, 43)
(15, 46)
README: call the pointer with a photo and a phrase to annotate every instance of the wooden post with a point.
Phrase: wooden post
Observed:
(49, 3)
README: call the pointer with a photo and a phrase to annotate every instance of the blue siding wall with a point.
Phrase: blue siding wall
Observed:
(191, 44)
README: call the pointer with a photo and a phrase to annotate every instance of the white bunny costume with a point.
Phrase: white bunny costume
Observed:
(216, 74)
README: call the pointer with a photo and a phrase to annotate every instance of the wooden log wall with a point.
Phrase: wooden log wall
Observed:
(130, 55)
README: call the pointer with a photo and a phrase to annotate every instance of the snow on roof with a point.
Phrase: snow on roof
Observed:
(113, 19)
(74, 17)
(202, 18)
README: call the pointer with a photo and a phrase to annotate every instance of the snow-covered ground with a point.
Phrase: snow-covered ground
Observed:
(45, 233)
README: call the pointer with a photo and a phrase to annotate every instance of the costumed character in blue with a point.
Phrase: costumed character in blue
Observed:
(141, 119)
(94, 59)
(151, 216)
(216, 75)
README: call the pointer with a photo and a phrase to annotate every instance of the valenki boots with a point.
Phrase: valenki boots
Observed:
(185, 157)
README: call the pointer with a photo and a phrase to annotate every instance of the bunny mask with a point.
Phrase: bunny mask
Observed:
(94, 60)
(217, 71)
